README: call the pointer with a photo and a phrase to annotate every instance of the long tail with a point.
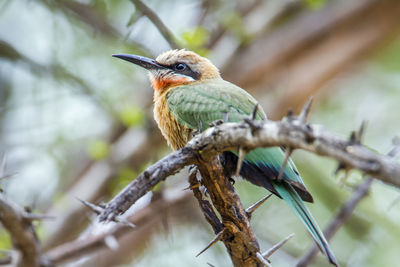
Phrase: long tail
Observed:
(294, 201)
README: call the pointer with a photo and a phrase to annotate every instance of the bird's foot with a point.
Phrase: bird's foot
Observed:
(216, 123)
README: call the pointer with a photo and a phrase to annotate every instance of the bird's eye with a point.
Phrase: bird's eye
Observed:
(180, 67)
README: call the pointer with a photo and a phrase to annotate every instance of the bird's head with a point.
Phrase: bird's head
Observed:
(175, 67)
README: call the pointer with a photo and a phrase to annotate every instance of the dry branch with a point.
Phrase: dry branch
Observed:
(289, 133)
(237, 235)
(145, 220)
(22, 232)
(153, 17)
(203, 151)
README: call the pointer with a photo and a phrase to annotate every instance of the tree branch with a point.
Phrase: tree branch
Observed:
(290, 133)
(21, 230)
(153, 17)
(237, 235)
(145, 220)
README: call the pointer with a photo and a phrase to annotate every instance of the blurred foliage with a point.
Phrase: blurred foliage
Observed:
(233, 22)
(195, 40)
(125, 175)
(389, 58)
(98, 149)
(131, 116)
(315, 4)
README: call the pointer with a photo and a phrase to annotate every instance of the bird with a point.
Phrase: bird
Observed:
(189, 91)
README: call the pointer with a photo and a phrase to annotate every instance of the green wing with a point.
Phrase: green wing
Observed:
(209, 102)
(216, 100)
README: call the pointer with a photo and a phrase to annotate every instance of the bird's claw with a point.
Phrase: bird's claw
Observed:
(216, 123)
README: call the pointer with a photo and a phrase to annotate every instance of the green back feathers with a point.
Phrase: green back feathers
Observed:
(209, 102)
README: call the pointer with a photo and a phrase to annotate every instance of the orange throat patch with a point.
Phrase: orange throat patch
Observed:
(163, 83)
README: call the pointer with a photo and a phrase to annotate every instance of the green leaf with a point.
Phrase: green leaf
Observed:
(131, 116)
(98, 149)
(315, 4)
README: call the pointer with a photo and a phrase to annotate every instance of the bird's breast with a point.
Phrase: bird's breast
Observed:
(177, 135)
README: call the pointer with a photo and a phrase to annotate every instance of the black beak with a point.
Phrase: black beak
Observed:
(144, 62)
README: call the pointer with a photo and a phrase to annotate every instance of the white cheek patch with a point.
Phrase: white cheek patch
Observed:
(180, 78)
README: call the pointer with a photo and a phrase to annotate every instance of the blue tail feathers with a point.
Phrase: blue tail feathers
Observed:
(261, 167)
(290, 196)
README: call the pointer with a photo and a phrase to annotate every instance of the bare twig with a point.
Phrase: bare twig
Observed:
(256, 205)
(204, 204)
(153, 17)
(98, 210)
(263, 260)
(272, 250)
(241, 155)
(95, 242)
(306, 110)
(237, 236)
(217, 238)
(22, 232)
(146, 181)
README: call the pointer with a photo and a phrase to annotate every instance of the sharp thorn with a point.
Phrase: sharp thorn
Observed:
(102, 205)
(96, 209)
(254, 113)
(239, 163)
(396, 149)
(200, 124)
(361, 131)
(263, 260)
(256, 205)
(226, 116)
(37, 217)
(288, 152)
(353, 137)
(272, 250)
(111, 242)
(191, 187)
(217, 238)
(306, 110)
(125, 222)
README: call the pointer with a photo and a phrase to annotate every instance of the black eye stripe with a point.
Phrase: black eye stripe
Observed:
(185, 70)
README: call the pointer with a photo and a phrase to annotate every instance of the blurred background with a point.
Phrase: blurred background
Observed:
(77, 123)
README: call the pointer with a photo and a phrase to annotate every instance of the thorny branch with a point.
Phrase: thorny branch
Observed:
(18, 224)
(203, 151)
(146, 217)
(289, 133)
